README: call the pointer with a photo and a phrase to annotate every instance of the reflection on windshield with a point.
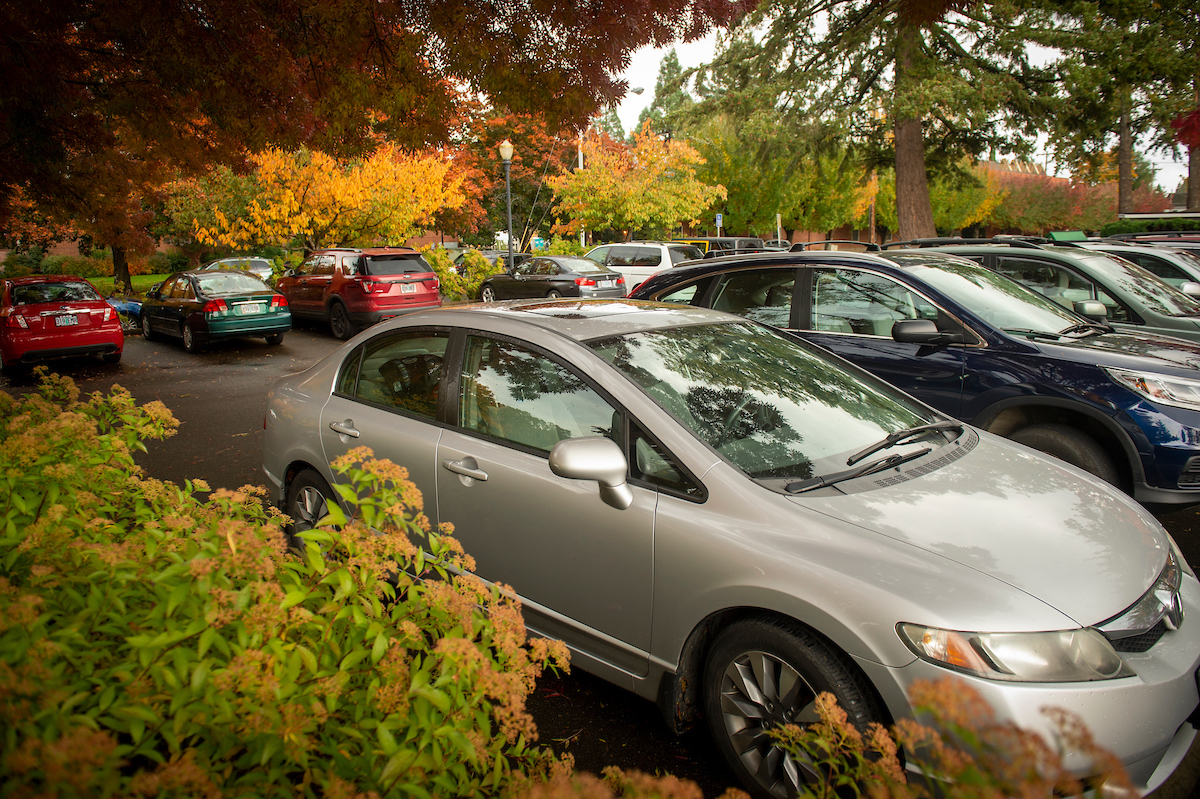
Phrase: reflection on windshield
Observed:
(999, 301)
(1134, 280)
(229, 283)
(772, 407)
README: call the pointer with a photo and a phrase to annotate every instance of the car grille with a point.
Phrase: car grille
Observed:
(1140, 642)
(1190, 478)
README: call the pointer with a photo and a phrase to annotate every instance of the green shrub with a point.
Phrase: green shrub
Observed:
(561, 246)
(19, 263)
(166, 263)
(154, 642)
(465, 286)
(78, 265)
(1145, 225)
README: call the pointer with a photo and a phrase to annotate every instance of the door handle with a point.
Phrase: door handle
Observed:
(458, 467)
(345, 428)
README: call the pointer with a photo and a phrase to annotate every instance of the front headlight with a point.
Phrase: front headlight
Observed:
(1062, 656)
(1178, 391)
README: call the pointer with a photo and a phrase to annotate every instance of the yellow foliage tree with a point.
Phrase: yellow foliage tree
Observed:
(307, 197)
(651, 185)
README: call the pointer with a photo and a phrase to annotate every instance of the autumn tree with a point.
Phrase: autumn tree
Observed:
(308, 197)
(103, 101)
(651, 185)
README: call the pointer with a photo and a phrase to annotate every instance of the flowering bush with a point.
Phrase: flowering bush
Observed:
(156, 642)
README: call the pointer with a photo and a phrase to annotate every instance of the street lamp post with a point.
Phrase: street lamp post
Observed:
(506, 154)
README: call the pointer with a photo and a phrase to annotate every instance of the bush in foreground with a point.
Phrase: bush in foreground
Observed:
(156, 643)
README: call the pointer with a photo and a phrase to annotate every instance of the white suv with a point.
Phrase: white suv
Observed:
(638, 260)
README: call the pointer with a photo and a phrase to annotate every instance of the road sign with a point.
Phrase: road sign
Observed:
(719, 220)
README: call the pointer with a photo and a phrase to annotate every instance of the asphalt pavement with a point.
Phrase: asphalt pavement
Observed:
(219, 398)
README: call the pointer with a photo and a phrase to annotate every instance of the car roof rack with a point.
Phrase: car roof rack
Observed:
(806, 246)
(1146, 234)
(1024, 242)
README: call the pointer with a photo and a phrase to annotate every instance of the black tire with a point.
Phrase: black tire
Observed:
(111, 357)
(274, 339)
(308, 498)
(487, 294)
(1068, 444)
(147, 333)
(339, 322)
(191, 339)
(554, 294)
(762, 673)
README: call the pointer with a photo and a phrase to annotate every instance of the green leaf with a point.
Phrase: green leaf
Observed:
(397, 764)
(353, 659)
(206, 639)
(380, 648)
(294, 598)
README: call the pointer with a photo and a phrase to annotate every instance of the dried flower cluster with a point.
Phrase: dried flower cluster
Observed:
(154, 641)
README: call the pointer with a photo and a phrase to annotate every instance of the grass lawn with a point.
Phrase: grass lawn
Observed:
(141, 283)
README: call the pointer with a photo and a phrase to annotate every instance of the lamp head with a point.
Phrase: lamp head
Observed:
(506, 150)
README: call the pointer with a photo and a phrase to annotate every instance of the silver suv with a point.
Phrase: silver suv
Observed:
(638, 260)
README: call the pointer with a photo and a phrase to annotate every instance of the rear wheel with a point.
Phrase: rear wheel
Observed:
(191, 341)
(111, 357)
(554, 294)
(308, 501)
(339, 322)
(762, 674)
(1073, 446)
(275, 338)
(487, 294)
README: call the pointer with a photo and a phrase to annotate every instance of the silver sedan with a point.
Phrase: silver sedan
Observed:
(728, 521)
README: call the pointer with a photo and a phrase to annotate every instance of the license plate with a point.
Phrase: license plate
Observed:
(250, 308)
(66, 320)
(604, 283)
(408, 288)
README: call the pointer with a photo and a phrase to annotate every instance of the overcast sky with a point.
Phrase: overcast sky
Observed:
(643, 72)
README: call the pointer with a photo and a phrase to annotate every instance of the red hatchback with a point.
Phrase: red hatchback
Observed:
(56, 316)
(352, 288)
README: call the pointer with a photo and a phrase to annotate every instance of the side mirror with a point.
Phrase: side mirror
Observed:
(1190, 288)
(594, 458)
(1095, 310)
(923, 332)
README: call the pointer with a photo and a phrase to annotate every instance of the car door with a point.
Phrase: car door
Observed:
(298, 289)
(386, 398)
(155, 311)
(583, 569)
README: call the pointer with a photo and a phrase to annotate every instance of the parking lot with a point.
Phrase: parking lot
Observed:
(219, 398)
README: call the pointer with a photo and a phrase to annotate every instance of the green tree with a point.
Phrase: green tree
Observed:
(671, 99)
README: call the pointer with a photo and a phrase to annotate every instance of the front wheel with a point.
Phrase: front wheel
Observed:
(762, 674)
(191, 341)
(147, 333)
(308, 501)
(339, 322)
(487, 294)
(1073, 446)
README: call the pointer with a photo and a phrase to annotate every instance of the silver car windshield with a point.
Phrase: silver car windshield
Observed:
(774, 408)
(1142, 284)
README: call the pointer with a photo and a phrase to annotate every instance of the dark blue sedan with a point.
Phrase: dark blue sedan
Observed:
(983, 348)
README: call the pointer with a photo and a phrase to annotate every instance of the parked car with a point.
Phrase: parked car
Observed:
(729, 521)
(1135, 301)
(725, 244)
(638, 260)
(1169, 264)
(777, 244)
(553, 276)
(982, 348)
(56, 316)
(203, 305)
(352, 288)
(256, 265)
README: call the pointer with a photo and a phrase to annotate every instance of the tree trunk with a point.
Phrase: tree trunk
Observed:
(914, 212)
(121, 270)
(1125, 159)
(1193, 180)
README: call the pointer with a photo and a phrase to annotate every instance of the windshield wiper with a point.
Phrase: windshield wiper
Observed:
(1089, 327)
(1022, 331)
(900, 436)
(888, 462)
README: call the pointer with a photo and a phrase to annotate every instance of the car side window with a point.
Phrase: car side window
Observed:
(1058, 283)
(544, 266)
(324, 265)
(525, 398)
(622, 256)
(598, 255)
(350, 264)
(525, 267)
(647, 256)
(763, 295)
(1164, 270)
(656, 466)
(853, 301)
(689, 293)
(403, 372)
(182, 290)
(308, 266)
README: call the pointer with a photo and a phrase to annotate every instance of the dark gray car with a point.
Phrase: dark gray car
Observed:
(728, 521)
(554, 276)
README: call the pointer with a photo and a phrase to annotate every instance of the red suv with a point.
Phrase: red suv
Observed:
(354, 288)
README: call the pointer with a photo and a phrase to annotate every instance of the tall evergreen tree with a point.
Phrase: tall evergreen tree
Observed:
(670, 97)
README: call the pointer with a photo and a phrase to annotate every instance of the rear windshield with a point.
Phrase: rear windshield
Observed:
(230, 283)
(581, 266)
(398, 264)
(35, 293)
(686, 253)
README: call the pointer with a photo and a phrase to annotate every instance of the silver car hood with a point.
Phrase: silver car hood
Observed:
(1038, 524)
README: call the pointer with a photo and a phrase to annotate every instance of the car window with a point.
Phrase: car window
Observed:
(525, 267)
(689, 293)
(598, 255)
(544, 266)
(1056, 282)
(35, 293)
(324, 265)
(395, 264)
(401, 372)
(227, 283)
(764, 295)
(1159, 267)
(182, 290)
(647, 256)
(853, 301)
(685, 253)
(1152, 293)
(308, 266)
(622, 256)
(511, 393)
(652, 463)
